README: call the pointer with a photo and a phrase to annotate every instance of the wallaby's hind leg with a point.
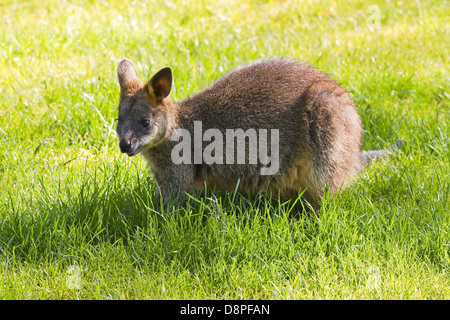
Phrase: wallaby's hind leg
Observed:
(334, 133)
(331, 133)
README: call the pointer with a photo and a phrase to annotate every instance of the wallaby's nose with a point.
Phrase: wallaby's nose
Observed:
(124, 145)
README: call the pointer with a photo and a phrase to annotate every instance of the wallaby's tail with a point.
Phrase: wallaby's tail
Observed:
(368, 156)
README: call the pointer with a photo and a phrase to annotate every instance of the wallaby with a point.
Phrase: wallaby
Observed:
(316, 131)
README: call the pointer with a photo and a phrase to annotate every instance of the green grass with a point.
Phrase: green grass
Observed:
(69, 198)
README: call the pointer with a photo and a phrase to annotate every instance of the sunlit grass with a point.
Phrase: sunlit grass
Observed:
(69, 198)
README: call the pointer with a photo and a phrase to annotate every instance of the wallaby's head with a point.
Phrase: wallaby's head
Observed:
(142, 120)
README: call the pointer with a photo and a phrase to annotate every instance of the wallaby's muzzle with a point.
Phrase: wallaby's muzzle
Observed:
(125, 145)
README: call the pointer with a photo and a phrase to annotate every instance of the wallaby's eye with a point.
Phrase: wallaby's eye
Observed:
(146, 123)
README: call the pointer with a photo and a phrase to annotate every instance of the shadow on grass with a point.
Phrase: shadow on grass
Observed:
(110, 207)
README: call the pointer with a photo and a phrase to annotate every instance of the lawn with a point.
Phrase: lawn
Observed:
(78, 219)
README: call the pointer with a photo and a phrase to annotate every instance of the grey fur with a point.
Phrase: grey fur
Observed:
(319, 128)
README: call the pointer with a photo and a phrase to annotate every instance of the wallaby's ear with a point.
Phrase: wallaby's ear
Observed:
(127, 73)
(161, 83)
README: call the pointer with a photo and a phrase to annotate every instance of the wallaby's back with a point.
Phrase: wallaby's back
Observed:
(319, 129)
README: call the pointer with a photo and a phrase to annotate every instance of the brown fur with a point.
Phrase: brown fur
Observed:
(319, 129)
